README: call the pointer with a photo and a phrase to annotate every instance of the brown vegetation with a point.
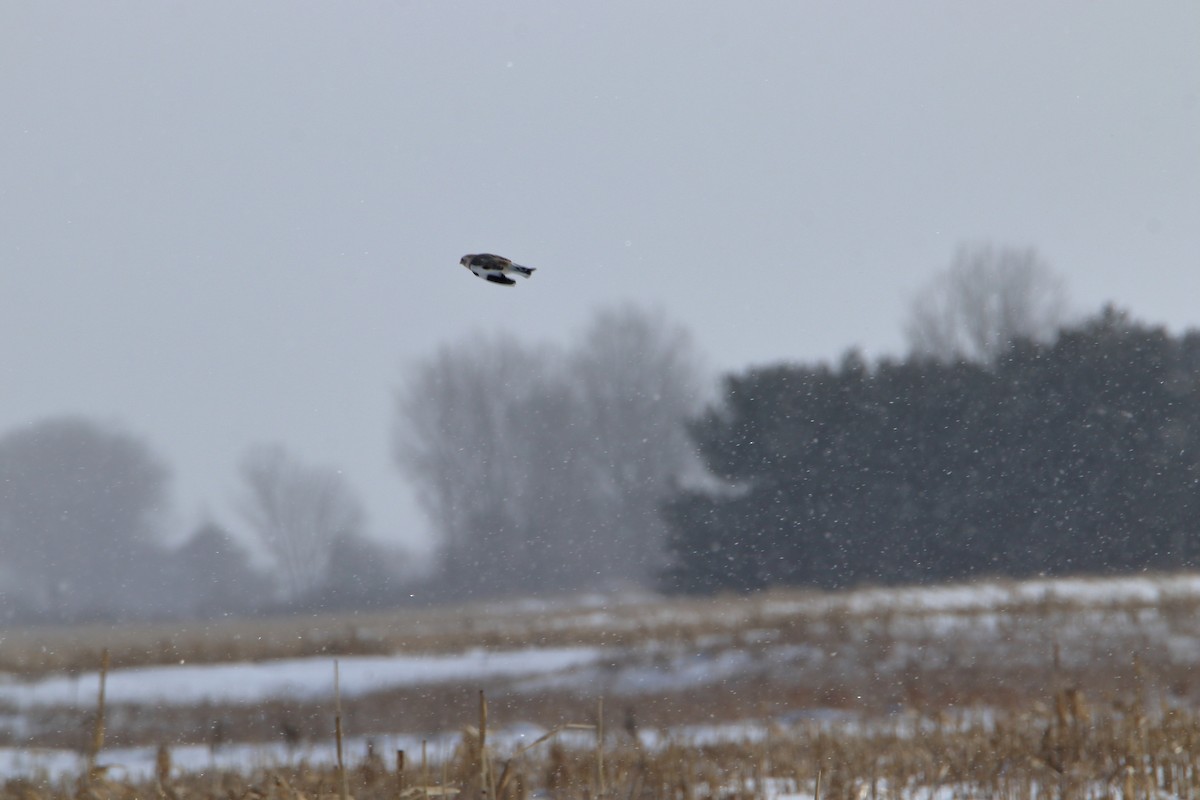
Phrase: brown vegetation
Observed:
(1069, 749)
(1050, 696)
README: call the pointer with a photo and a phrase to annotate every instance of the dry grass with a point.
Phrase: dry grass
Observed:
(791, 616)
(1068, 750)
(1024, 698)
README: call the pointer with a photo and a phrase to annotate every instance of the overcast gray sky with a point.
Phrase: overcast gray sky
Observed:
(224, 223)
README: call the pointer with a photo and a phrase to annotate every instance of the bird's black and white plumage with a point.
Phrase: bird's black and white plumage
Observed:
(494, 269)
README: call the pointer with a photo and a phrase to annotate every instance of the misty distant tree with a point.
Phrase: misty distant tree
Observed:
(80, 505)
(541, 469)
(988, 298)
(458, 439)
(214, 572)
(637, 377)
(297, 511)
(361, 574)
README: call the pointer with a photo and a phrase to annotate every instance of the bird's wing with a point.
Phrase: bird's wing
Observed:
(489, 261)
(500, 279)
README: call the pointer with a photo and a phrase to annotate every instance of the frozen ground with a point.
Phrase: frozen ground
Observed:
(139, 762)
(778, 640)
(307, 678)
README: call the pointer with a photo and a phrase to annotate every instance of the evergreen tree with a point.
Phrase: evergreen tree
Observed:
(1076, 455)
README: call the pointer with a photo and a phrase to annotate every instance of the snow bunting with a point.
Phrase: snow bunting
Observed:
(494, 268)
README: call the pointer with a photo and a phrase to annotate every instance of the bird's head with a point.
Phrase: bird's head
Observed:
(464, 260)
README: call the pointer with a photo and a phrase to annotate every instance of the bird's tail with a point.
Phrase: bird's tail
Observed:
(523, 271)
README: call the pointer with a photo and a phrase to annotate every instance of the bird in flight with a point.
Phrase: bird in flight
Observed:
(495, 269)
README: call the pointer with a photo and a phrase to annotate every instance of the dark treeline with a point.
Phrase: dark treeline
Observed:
(1077, 455)
(546, 470)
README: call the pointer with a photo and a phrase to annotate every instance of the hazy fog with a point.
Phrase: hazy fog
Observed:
(224, 224)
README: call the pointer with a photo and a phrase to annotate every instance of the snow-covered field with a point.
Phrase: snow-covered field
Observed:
(818, 659)
(307, 678)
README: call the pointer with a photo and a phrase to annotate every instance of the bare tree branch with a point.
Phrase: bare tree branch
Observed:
(298, 512)
(542, 470)
(988, 298)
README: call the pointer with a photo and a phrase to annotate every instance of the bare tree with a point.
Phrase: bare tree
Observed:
(298, 512)
(80, 505)
(638, 378)
(462, 419)
(988, 298)
(542, 470)
(362, 574)
(212, 574)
